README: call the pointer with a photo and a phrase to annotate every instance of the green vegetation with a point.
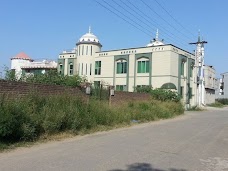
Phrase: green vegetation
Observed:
(159, 94)
(195, 108)
(222, 101)
(216, 104)
(50, 77)
(27, 119)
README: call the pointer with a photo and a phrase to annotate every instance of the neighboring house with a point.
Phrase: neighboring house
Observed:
(23, 64)
(210, 84)
(157, 65)
(223, 86)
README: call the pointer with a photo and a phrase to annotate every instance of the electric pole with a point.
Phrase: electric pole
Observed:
(199, 63)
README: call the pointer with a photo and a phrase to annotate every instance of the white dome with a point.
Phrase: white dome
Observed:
(89, 37)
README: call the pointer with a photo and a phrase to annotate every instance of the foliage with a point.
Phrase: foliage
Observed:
(165, 95)
(216, 104)
(10, 74)
(194, 108)
(223, 101)
(28, 118)
(50, 77)
(144, 89)
(159, 94)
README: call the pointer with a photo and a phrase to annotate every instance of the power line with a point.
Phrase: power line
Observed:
(173, 17)
(163, 19)
(166, 32)
(133, 23)
(121, 17)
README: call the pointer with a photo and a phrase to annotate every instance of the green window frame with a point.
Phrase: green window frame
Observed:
(97, 84)
(121, 87)
(143, 66)
(97, 67)
(71, 69)
(121, 68)
(61, 66)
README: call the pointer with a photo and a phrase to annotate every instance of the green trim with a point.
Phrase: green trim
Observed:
(181, 58)
(62, 62)
(116, 58)
(70, 61)
(143, 55)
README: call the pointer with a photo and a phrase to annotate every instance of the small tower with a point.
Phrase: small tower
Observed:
(155, 41)
(87, 46)
(18, 61)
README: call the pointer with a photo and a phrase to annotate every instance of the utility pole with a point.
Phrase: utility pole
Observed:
(199, 63)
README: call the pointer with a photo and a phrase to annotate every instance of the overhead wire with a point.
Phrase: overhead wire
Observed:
(148, 6)
(121, 17)
(165, 31)
(173, 17)
(132, 22)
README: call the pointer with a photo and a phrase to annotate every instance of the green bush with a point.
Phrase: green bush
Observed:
(159, 94)
(223, 101)
(28, 118)
(50, 77)
(216, 104)
(165, 95)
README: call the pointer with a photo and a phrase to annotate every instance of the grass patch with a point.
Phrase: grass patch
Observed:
(37, 118)
(216, 104)
(195, 108)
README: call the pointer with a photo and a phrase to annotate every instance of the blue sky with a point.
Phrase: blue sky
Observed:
(44, 28)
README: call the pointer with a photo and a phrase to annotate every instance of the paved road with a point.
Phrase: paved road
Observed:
(197, 141)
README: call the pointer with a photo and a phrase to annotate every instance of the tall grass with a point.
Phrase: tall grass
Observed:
(28, 118)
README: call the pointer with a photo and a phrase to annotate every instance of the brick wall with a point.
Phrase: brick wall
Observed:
(122, 97)
(20, 89)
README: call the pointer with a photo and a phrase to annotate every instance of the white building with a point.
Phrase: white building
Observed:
(23, 64)
(210, 84)
(157, 64)
(222, 91)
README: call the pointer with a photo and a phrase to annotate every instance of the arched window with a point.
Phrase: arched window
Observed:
(71, 69)
(121, 66)
(169, 86)
(143, 65)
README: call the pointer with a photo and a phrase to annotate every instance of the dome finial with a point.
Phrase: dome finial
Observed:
(89, 29)
(199, 35)
(156, 35)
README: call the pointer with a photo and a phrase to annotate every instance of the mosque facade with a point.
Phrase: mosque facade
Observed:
(157, 64)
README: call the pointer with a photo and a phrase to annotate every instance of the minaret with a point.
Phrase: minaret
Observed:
(156, 35)
(90, 29)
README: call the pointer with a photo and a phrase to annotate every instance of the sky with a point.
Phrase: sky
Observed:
(44, 28)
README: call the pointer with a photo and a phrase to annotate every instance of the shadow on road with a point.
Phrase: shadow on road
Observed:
(144, 167)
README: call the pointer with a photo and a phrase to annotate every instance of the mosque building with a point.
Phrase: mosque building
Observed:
(157, 64)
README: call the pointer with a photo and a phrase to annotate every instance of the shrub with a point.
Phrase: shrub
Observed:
(28, 118)
(216, 104)
(165, 95)
(159, 94)
(223, 101)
